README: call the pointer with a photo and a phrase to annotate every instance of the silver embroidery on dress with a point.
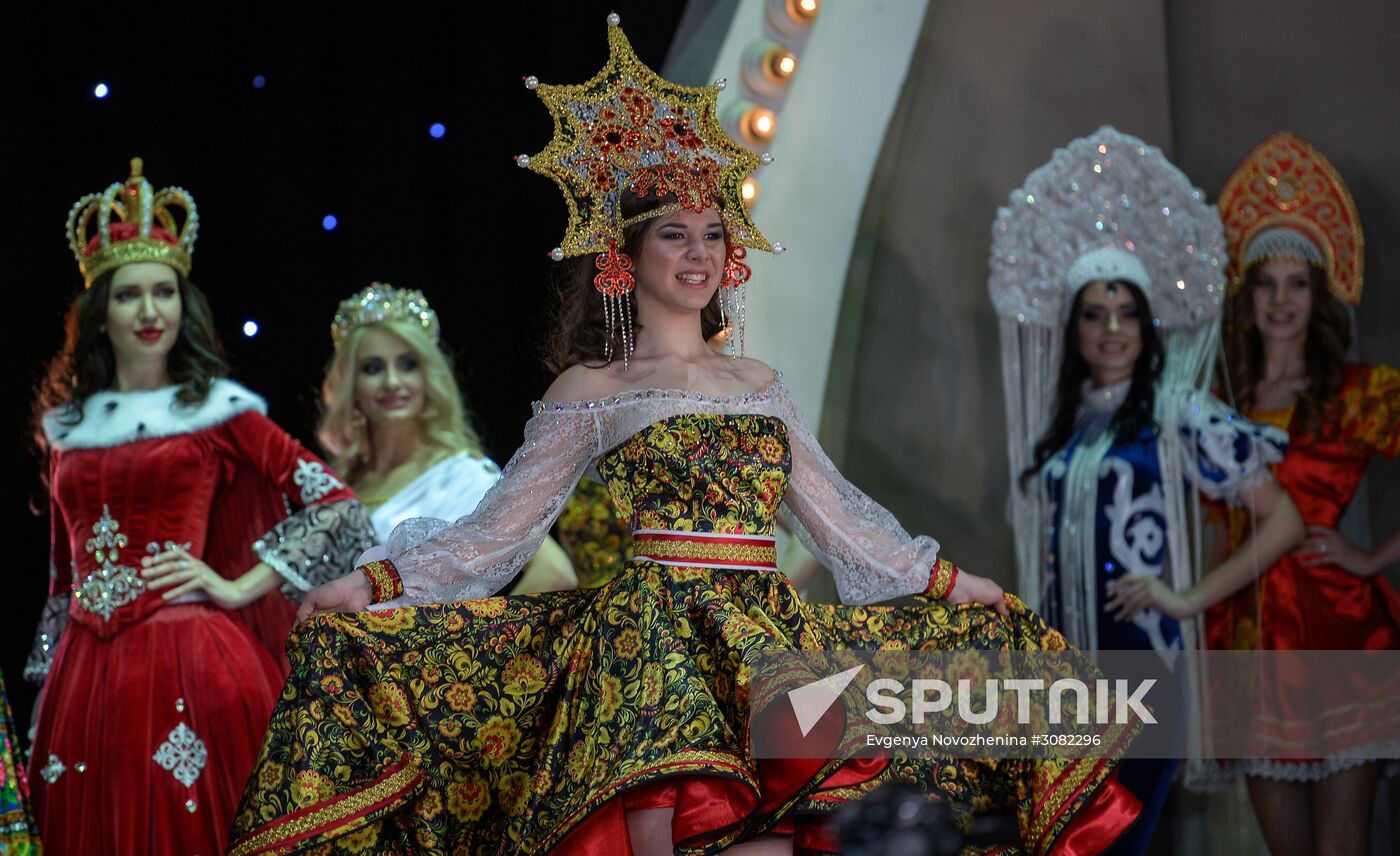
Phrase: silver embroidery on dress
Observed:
(183, 754)
(52, 770)
(1136, 535)
(314, 481)
(111, 586)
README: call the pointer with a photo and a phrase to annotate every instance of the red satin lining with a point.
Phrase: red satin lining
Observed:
(1098, 824)
(707, 806)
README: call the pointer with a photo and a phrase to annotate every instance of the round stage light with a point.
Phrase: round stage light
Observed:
(759, 124)
(749, 191)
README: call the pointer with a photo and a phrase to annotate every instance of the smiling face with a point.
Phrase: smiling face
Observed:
(1109, 331)
(680, 261)
(1282, 292)
(388, 379)
(143, 312)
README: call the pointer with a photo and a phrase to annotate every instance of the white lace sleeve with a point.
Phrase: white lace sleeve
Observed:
(443, 562)
(1224, 452)
(865, 548)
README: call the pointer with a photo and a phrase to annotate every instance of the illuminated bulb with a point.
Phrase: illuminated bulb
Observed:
(100, 90)
(792, 18)
(749, 190)
(758, 124)
(786, 65)
(250, 328)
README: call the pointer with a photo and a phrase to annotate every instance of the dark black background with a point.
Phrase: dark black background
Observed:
(340, 127)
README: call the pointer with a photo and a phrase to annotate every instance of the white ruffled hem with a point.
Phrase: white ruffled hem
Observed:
(1207, 777)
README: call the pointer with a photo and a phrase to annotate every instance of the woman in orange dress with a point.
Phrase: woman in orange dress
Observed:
(1296, 247)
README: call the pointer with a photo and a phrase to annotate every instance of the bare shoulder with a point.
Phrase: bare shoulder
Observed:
(581, 383)
(756, 374)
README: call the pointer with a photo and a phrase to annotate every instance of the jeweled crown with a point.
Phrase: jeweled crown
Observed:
(131, 222)
(382, 302)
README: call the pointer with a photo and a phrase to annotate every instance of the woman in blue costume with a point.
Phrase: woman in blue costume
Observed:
(615, 719)
(1108, 257)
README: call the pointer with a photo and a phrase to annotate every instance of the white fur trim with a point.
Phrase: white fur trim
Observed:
(1107, 263)
(115, 418)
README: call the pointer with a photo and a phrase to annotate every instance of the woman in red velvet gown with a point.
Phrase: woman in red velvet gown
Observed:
(171, 493)
(1296, 250)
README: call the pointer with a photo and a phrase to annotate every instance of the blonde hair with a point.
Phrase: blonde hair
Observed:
(444, 420)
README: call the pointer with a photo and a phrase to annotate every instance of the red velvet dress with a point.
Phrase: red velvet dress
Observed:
(153, 711)
(1320, 608)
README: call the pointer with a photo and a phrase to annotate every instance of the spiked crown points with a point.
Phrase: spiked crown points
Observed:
(132, 222)
(628, 128)
(382, 302)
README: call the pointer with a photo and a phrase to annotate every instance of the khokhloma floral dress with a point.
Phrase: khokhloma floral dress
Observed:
(457, 722)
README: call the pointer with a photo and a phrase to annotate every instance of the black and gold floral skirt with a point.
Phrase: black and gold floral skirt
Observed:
(532, 723)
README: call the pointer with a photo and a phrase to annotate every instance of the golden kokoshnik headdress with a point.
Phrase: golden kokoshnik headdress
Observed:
(1285, 200)
(131, 222)
(629, 130)
(382, 302)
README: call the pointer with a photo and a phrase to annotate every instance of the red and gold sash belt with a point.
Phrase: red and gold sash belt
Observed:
(706, 549)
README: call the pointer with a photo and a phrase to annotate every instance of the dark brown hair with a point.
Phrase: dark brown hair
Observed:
(87, 364)
(1324, 353)
(579, 334)
(1134, 418)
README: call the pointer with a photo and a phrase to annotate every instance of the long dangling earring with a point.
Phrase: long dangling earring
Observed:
(733, 300)
(360, 425)
(615, 283)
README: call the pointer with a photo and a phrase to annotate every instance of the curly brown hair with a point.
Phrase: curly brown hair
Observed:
(579, 333)
(1324, 354)
(86, 364)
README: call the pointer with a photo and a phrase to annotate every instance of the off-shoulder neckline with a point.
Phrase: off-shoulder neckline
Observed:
(647, 393)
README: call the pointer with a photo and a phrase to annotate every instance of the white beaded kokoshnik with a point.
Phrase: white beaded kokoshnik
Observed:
(1108, 189)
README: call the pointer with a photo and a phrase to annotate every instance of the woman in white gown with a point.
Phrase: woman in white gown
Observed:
(395, 422)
